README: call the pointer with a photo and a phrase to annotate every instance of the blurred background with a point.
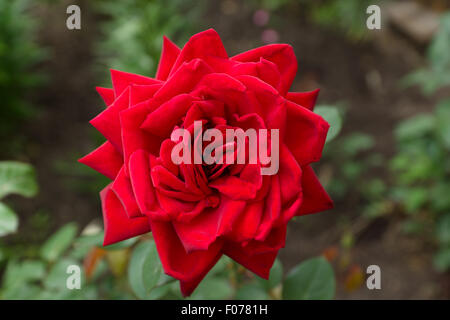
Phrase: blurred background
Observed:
(386, 94)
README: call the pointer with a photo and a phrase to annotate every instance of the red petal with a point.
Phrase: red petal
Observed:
(305, 99)
(247, 223)
(290, 175)
(162, 120)
(121, 80)
(187, 287)
(202, 231)
(142, 92)
(305, 133)
(315, 198)
(259, 264)
(203, 45)
(169, 54)
(105, 159)
(117, 225)
(182, 81)
(124, 192)
(108, 122)
(107, 95)
(281, 55)
(139, 170)
(174, 258)
(133, 137)
(272, 210)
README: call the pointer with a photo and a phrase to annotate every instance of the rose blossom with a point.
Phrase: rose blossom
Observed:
(197, 212)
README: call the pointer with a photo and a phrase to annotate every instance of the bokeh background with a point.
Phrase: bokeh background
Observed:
(385, 92)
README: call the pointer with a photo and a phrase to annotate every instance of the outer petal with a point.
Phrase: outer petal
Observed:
(174, 258)
(121, 80)
(124, 192)
(259, 264)
(105, 159)
(280, 54)
(305, 133)
(169, 54)
(133, 137)
(315, 198)
(187, 287)
(117, 225)
(142, 92)
(203, 45)
(305, 99)
(107, 95)
(108, 122)
(139, 170)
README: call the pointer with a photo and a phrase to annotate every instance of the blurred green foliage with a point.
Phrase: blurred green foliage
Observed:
(437, 73)
(422, 176)
(348, 16)
(133, 31)
(18, 55)
(15, 178)
(131, 269)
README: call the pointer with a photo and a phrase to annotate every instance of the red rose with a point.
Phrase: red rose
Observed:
(199, 212)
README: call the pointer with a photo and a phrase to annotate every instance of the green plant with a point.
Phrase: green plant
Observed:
(421, 169)
(15, 178)
(348, 16)
(18, 55)
(437, 72)
(134, 30)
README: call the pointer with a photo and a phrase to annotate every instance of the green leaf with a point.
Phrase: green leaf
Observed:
(144, 269)
(311, 280)
(8, 220)
(415, 127)
(57, 277)
(332, 116)
(213, 288)
(59, 242)
(17, 178)
(252, 291)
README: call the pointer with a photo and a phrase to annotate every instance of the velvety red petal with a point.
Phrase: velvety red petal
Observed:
(282, 55)
(247, 223)
(290, 175)
(133, 137)
(305, 99)
(121, 80)
(118, 226)
(124, 192)
(108, 121)
(169, 54)
(106, 94)
(272, 210)
(176, 261)
(203, 45)
(305, 133)
(142, 92)
(202, 231)
(315, 198)
(259, 264)
(187, 287)
(182, 81)
(105, 159)
(139, 171)
(161, 121)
